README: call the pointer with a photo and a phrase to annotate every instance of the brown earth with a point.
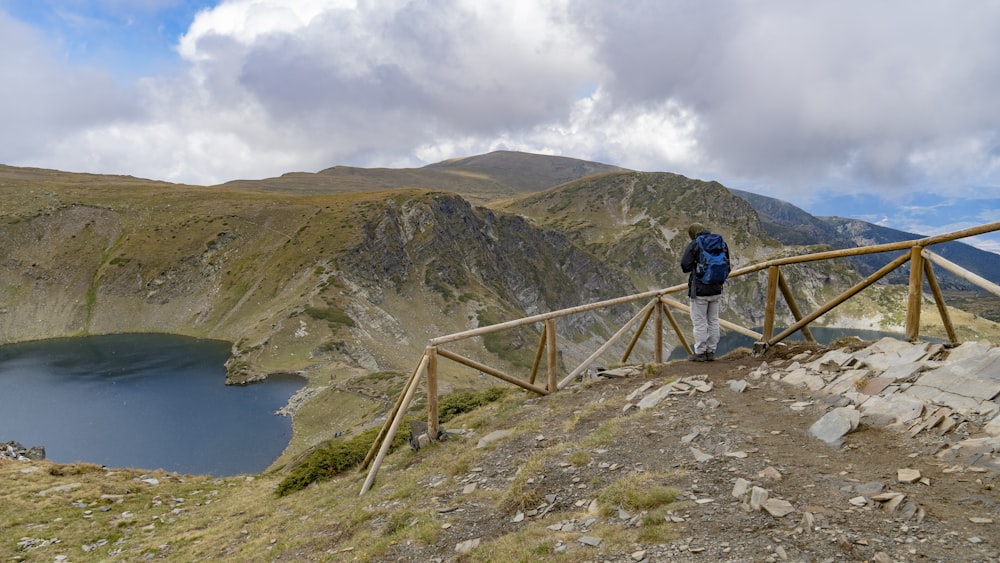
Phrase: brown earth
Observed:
(707, 522)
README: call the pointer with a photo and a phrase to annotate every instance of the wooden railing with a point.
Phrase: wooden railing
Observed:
(659, 306)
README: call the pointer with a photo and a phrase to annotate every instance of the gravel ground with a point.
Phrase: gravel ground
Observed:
(844, 503)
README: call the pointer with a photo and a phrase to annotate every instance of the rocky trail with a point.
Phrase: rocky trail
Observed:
(755, 482)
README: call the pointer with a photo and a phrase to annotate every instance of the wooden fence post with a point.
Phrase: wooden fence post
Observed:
(432, 394)
(396, 421)
(786, 291)
(675, 326)
(552, 355)
(658, 339)
(916, 294)
(391, 416)
(538, 354)
(939, 300)
(638, 332)
(770, 301)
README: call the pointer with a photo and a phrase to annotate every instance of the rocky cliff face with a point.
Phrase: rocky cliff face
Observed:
(638, 221)
(451, 247)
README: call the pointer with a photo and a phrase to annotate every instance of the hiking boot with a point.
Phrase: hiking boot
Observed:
(702, 357)
(710, 356)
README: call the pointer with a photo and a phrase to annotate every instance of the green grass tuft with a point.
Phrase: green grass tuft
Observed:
(459, 402)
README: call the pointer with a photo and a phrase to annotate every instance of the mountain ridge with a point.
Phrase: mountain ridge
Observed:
(480, 179)
(794, 226)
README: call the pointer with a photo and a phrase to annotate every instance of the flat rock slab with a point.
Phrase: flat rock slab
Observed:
(976, 377)
(938, 396)
(890, 352)
(835, 425)
(894, 409)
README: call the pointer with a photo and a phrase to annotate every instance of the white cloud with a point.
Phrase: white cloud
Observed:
(42, 98)
(247, 21)
(787, 98)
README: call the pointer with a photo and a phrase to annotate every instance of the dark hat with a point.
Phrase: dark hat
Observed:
(694, 229)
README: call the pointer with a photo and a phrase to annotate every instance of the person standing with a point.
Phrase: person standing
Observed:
(706, 260)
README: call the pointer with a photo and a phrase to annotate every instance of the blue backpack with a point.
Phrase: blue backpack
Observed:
(713, 268)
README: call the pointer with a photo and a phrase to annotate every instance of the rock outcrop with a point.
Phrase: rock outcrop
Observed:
(14, 450)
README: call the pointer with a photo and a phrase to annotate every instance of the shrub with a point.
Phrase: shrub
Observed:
(332, 315)
(459, 402)
(332, 459)
(337, 456)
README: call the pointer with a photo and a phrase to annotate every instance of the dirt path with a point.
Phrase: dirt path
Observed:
(703, 443)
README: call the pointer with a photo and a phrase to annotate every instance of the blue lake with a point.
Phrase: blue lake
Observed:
(149, 401)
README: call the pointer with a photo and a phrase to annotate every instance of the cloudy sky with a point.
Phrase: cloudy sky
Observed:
(885, 111)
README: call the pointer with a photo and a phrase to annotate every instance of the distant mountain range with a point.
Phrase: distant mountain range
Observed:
(793, 226)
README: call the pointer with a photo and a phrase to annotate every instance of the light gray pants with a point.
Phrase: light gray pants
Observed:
(705, 318)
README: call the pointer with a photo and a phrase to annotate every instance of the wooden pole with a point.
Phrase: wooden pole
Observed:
(840, 299)
(961, 272)
(538, 355)
(954, 235)
(673, 323)
(544, 316)
(432, 394)
(915, 295)
(490, 371)
(387, 441)
(552, 356)
(786, 291)
(939, 300)
(658, 328)
(773, 274)
(388, 420)
(638, 332)
(586, 363)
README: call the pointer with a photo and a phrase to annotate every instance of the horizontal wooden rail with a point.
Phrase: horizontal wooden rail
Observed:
(962, 272)
(543, 317)
(494, 372)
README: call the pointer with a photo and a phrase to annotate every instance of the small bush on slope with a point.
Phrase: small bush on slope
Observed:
(338, 456)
